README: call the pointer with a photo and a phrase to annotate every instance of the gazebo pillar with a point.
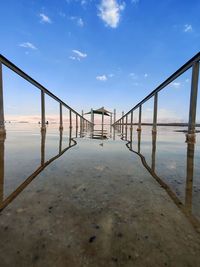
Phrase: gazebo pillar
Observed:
(102, 122)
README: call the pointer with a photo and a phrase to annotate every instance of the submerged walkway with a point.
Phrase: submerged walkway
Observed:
(96, 206)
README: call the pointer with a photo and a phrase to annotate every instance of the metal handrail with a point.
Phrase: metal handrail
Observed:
(44, 90)
(194, 63)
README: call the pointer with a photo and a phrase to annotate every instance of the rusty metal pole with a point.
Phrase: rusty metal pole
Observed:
(190, 136)
(2, 120)
(154, 129)
(43, 126)
(140, 118)
(61, 118)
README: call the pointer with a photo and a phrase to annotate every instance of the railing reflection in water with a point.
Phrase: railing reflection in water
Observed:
(4, 201)
(134, 144)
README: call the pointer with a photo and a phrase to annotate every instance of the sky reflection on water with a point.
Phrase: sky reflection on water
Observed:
(26, 152)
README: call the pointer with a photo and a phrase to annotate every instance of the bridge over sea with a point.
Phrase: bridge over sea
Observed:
(117, 193)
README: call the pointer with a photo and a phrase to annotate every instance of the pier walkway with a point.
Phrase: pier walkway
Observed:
(96, 205)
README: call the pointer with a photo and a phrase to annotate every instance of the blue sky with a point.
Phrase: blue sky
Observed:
(99, 53)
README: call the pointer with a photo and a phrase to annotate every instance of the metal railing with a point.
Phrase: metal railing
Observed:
(84, 123)
(192, 63)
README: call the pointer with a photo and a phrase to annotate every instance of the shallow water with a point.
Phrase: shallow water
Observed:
(64, 193)
(177, 163)
(174, 161)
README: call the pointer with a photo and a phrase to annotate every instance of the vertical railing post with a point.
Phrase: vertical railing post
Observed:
(92, 120)
(70, 134)
(70, 119)
(60, 142)
(80, 126)
(43, 126)
(190, 136)
(153, 155)
(2, 165)
(140, 118)
(114, 116)
(61, 118)
(2, 120)
(76, 125)
(114, 120)
(139, 141)
(154, 129)
(126, 126)
(83, 122)
(110, 123)
(131, 127)
(43, 139)
(122, 123)
(189, 177)
(102, 123)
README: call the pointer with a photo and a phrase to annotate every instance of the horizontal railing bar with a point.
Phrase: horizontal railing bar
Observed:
(174, 76)
(25, 76)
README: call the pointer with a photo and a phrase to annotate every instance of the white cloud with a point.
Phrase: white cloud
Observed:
(111, 75)
(133, 75)
(77, 55)
(73, 58)
(109, 12)
(188, 28)
(28, 45)
(45, 18)
(79, 21)
(175, 84)
(187, 80)
(102, 78)
(146, 75)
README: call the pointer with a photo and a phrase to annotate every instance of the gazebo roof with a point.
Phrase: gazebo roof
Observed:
(100, 111)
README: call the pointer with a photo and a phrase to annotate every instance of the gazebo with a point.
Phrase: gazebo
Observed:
(101, 111)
